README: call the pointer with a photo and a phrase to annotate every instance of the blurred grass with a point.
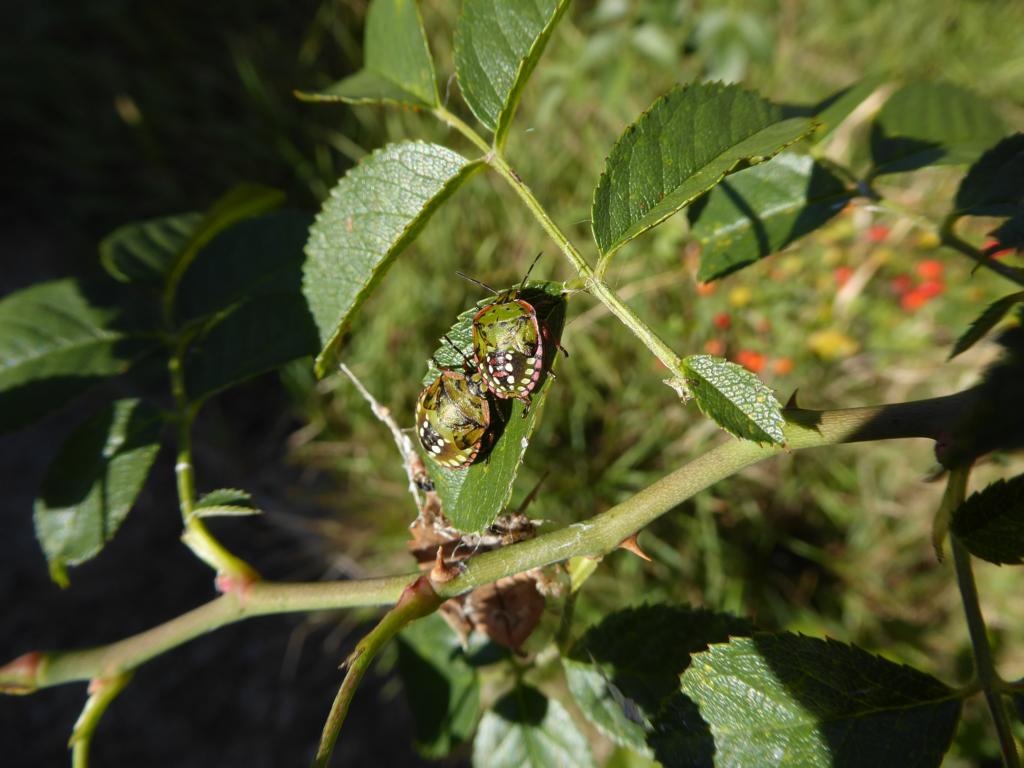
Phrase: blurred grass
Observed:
(126, 111)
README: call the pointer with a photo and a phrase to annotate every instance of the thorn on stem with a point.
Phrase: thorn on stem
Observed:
(630, 544)
(442, 573)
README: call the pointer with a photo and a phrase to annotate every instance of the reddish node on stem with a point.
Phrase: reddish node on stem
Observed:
(234, 584)
(19, 676)
(630, 544)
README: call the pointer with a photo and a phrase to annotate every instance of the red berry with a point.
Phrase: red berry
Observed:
(929, 269)
(901, 284)
(931, 288)
(995, 249)
(706, 289)
(722, 321)
(754, 361)
(913, 300)
(782, 366)
(877, 233)
(842, 275)
(714, 347)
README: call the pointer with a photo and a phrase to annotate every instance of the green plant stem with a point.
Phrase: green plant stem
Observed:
(196, 535)
(594, 537)
(984, 666)
(417, 600)
(593, 281)
(260, 599)
(101, 693)
(459, 125)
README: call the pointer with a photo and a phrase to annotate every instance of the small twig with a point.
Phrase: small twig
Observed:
(102, 691)
(417, 600)
(402, 441)
(984, 665)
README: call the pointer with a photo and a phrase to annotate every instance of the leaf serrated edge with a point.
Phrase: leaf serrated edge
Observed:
(415, 100)
(750, 162)
(324, 362)
(526, 66)
(688, 370)
(984, 323)
(224, 510)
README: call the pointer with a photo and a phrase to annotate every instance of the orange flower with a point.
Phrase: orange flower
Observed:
(931, 288)
(722, 321)
(842, 275)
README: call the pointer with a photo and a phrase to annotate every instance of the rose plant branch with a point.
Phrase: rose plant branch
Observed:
(593, 281)
(985, 670)
(197, 536)
(417, 600)
(596, 536)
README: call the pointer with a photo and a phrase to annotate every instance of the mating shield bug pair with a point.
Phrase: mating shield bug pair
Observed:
(453, 412)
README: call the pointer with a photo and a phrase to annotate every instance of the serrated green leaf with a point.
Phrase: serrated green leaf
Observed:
(681, 738)
(92, 483)
(373, 213)
(240, 202)
(622, 670)
(254, 337)
(473, 497)
(232, 497)
(932, 124)
(442, 689)
(985, 322)
(397, 66)
(225, 502)
(994, 185)
(58, 339)
(738, 401)
(526, 730)
(990, 523)
(686, 143)
(1010, 234)
(497, 46)
(790, 700)
(144, 251)
(761, 210)
(260, 256)
(830, 112)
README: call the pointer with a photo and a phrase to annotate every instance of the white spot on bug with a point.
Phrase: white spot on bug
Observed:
(525, 380)
(436, 448)
(511, 379)
(508, 367)
(490, 368)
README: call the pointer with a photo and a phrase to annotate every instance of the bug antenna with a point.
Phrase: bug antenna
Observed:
(462, 354)
(474, 280)
(527, 275)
